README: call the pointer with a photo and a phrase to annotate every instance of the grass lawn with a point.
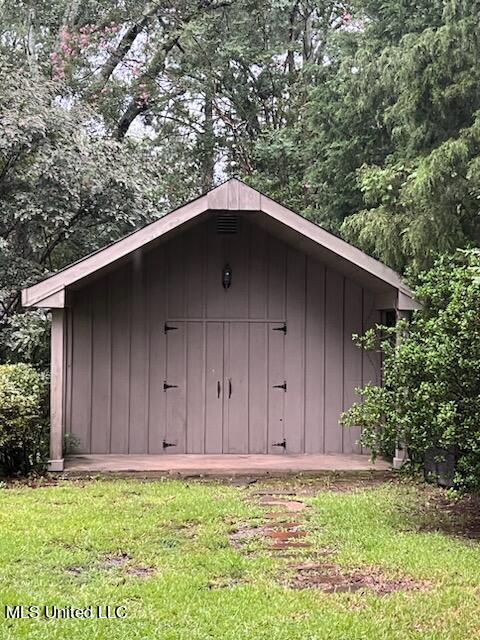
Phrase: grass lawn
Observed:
(165, 551)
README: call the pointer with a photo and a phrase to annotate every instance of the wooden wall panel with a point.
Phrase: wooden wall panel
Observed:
(69, 370)
(215, 294)
(176, 397)
(295, 352)
(101, 368)
(236, 253)
(214, 347)
(157, 292)
(235, 435)
(257, 276)
(194, 255)
(315, 358)
(277, 264)
(120, 360)
(195, 387)
(352, 360)
(334, 317)
(258, 386)
(176, 261)
(81, 371)
(139, 361)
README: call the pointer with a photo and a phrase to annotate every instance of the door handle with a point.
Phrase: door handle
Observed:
(219, 388)
(229, 387)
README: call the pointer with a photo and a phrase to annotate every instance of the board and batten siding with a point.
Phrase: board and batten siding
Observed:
(119, 355)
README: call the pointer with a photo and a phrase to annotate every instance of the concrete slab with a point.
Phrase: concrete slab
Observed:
(221, 465)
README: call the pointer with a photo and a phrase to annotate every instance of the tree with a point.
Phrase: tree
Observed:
(64, 190)
(422, 199)
(360, 115)
(211, 77)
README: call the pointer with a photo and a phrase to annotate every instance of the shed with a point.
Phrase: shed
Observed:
(223, 327)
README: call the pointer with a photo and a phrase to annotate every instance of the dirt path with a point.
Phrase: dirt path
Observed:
(284, 532)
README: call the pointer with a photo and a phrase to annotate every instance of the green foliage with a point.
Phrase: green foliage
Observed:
(23, 418)
(64, 191)
(361, 115)
(422, 199)
(25, 337)
(382, 142)
(431, 392)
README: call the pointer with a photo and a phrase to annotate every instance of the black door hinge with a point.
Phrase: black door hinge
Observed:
(167, 327)
(280, 386)
(166, 444)
(169, 386)
(283, 444)
(282, 328)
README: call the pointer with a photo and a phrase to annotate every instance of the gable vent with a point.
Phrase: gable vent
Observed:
(227, 224)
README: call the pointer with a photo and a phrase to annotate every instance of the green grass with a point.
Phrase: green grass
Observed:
(55, 543)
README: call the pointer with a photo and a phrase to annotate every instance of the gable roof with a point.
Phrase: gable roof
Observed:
(232, 195)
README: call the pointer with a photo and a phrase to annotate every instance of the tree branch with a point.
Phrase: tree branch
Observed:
(137, 106)
(158, 63)
(124, 46)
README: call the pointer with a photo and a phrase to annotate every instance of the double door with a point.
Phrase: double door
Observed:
(225, 387)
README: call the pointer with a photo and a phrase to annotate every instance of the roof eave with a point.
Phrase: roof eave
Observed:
(232, 195)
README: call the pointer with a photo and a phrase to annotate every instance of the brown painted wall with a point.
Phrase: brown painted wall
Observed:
(225, 354)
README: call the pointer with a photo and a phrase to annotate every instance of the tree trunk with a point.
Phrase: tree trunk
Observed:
(125, 45)
(31, 42)
(137, 106)
(207, 146)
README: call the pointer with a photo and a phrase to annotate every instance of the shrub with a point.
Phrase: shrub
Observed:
(431, 389)
(23, 418)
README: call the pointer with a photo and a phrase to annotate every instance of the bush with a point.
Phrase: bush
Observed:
(431, 390)
(23, 418)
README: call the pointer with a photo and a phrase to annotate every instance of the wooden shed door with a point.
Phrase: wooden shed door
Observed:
(254, 394)
(230, 387)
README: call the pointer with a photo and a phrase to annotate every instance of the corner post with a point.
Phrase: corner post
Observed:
(401, 454)
(57, 389)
